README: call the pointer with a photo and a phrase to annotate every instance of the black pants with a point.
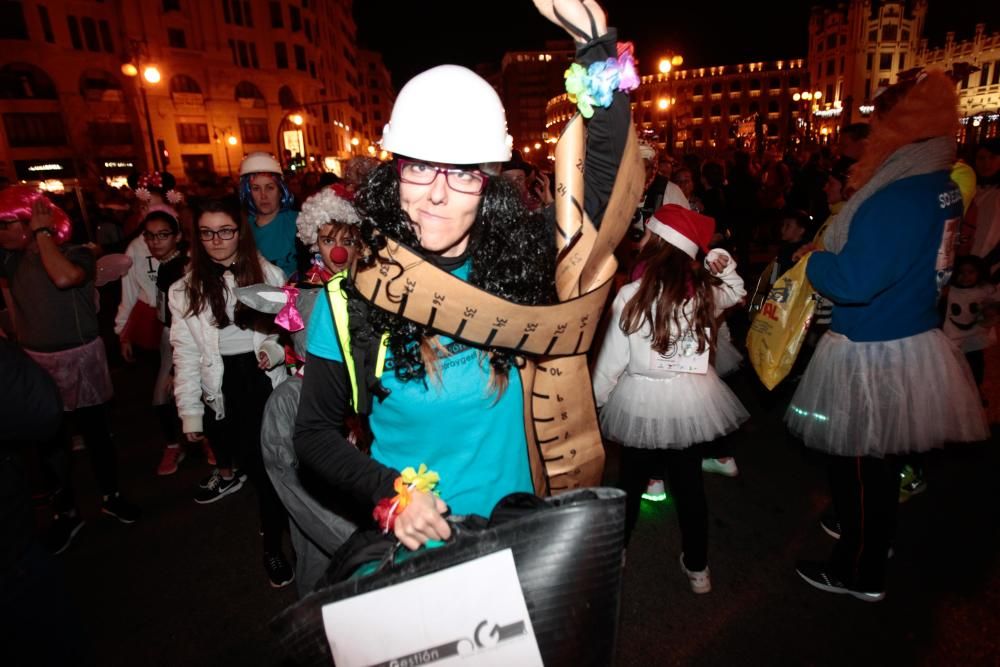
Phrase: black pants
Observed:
(236, 438)
(56, 455)
(865, 494)
(682, 470)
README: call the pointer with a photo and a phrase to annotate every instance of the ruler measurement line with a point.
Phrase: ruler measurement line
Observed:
(552, 344)
(430, 320)
(489, 339)
(524, 339)
(461, 327)
(579, 341)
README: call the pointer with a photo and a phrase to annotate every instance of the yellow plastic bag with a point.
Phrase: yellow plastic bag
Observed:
(778, 329)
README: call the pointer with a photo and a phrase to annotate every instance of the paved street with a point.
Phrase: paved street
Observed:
(185, 585)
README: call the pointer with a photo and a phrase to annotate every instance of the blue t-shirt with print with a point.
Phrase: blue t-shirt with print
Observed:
(456, 425)
(276, 239)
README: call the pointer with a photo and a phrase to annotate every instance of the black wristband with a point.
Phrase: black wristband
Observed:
(43, 230)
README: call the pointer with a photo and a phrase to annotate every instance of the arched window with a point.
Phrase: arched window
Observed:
(286, 98)
(182, 83)
(21, 81)
(249, 95)
(97, 85)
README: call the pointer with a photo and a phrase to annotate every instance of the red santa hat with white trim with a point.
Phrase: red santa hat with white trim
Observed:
(682, 228)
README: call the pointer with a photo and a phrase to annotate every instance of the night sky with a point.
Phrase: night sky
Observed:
(413, 36)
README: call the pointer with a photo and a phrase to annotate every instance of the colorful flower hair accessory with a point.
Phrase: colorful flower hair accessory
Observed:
(595, 86)
(410, 480)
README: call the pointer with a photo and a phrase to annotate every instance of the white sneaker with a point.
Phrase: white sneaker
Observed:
(655, 490)
(701, 582)
(726, 467)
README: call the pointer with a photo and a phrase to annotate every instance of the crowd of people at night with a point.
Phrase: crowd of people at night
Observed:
(272, 363)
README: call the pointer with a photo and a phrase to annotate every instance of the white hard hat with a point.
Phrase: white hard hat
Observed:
(259, 162)
(448, 114)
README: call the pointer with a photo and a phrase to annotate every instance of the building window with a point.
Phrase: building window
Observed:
(754, 84)
(889, 33)
(98, 86)
(996, 73)
(286, 98)
(254, 62)
(309, 33)
(43, 16)
(249, 95)
(376, 99)
(326, 114)
(699, 91)
(12, 24)
(716, 87)
(885, 61)
(281, 55)
(110, 134)
(793, 82)
(734, 109)
(176, 38)
(29, 130)
(192, 133)
(90, 33)
(243, 53)
(254, 131)
(831, 41)
(902, 61)
(716, 111)
(772, 106)
(277, 20)
(106, 41)
(237, 12)
(869, 60)
(868, 89)
(906, 35)
(19, 81)
(698, 112)
(300, 57)
(872, 35)
(171, 5)
(829, 92)
(377, 115)
(754, 107)
(312, 68)
(182, 83)
(296, 18)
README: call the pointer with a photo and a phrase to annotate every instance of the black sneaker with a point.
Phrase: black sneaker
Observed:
(279, 571)
(203, 484)
(819, 575)
(830, 524)
(218, 487)
(117, 507)
(61, 532)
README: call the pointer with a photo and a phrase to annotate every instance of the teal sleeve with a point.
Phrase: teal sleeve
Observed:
(321, 339)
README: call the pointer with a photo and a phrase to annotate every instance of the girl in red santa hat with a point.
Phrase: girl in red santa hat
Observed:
(660, 396)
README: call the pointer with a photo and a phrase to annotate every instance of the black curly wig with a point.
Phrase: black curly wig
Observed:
(512, 253)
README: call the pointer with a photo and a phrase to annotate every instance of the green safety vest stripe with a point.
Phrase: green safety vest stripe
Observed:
(338, 308)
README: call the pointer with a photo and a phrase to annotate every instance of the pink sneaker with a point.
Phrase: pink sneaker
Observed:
(209, 454)
(172, 456)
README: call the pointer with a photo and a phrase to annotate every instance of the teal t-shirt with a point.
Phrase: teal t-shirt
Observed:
(456, 426)
(276, 240)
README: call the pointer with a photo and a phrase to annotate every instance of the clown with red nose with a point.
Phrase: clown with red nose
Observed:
(328, 224)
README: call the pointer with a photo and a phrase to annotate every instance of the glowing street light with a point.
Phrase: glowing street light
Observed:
(665, 66)
(677, 61)
(663, 103)
(296, 118)
(151, 74)
(130, 70)
(232, 141)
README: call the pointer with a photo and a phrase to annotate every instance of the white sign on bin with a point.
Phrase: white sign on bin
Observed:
(471, 614)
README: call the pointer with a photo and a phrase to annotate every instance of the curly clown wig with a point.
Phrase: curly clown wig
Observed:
(325, 207)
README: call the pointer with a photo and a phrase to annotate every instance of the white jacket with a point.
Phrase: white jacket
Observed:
(621, 353)
(139, 284)
(197, 362)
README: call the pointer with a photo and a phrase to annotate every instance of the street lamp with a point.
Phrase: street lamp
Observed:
(810, 101)
(230, 140)
(150, 74)
(664, 104)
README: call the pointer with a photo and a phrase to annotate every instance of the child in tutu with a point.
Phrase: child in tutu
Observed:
(660, 396)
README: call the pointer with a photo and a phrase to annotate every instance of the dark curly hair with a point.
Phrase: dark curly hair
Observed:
(512, 253)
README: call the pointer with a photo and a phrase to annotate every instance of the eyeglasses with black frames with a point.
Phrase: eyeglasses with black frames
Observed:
(226, 233)
(466, 181)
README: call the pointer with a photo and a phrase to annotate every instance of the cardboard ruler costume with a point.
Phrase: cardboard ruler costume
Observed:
(564, 440)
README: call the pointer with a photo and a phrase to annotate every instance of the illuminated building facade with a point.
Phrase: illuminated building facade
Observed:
(235, 76)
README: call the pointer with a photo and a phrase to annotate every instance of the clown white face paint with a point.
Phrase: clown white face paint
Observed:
(266, 194)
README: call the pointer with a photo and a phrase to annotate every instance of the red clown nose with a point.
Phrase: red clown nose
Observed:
(339, 254)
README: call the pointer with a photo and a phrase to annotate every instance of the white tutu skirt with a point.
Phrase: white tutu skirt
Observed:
(727, 357)
(886, 397)
(672, 412)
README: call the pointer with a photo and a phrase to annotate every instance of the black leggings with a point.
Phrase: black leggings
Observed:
(682, 469)
(57, 458)
(236, 438)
